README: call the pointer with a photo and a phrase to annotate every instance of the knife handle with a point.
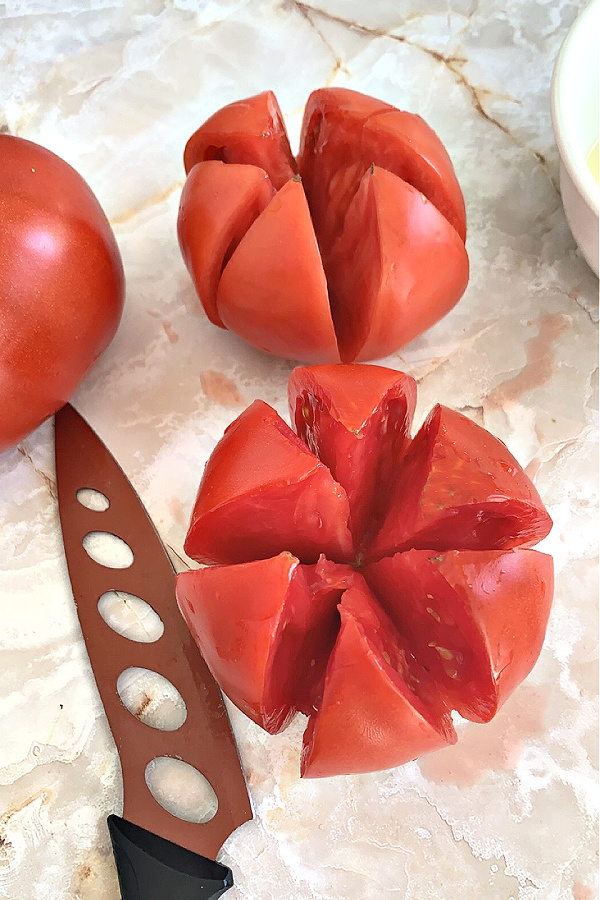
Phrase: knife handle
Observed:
(152, 868)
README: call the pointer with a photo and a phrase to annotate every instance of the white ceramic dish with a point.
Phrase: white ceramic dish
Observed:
(575, 118)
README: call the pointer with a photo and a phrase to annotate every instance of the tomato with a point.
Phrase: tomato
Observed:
(367, 580)
(61, 285)
(352, 258)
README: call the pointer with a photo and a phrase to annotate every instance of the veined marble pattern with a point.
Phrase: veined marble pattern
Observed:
(510, 813)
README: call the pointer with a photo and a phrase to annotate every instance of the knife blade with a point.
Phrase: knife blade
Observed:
(158, 855)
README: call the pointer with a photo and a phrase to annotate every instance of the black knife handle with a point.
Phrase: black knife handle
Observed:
(151, 868)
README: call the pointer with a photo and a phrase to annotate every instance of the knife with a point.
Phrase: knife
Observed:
(158, 855)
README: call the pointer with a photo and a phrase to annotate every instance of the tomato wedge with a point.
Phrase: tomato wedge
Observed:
(369, 581)
(264, 492)
(249, 131)
(378, 708)
(351, 259)
(218, 205)
(357, 420)
(279, 248)
(391, 293)
(460, 488)
(475, 618)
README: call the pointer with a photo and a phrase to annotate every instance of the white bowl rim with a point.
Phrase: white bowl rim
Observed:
(580, 173)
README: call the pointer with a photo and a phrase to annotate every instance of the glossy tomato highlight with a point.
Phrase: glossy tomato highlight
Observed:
(371, 581)
(347, 253)
(61, 285)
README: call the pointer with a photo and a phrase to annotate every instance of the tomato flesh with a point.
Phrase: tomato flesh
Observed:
(248, 131)
(279, 248)
(356, 420)
(392, 292)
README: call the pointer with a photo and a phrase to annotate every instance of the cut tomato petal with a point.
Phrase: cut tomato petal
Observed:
(241, 616)
(248, 131)
(263, 492)
(405, 145)
(219, 202)
(475, 619)
(378, 709)
(273, 291)
(460, 488)
(409, 268)
(357, 420)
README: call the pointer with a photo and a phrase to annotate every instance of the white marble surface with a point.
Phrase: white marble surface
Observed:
(116, 88)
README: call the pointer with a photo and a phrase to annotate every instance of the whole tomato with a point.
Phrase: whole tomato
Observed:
(61, 285)
(348, 252)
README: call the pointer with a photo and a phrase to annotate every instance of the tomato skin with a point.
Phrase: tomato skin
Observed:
(371, 716)
(357, 420)
(218, 204)
(61, 284)
(264, 492)
(460, 488)
(273, 291)
(392, 291)
(475, 618)
(248, 131)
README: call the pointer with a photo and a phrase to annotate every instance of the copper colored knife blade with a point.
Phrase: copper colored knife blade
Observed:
(168, 848)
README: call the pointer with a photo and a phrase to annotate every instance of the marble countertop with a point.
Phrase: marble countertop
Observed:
(115, 88)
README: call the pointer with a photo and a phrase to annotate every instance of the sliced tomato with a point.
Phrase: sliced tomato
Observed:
(475, 619)
(460, 487)
(218, 204)
(392, 292)
(248, 131)
(239, 616)
(273, 291)
(357, 420)
(378, 707)
(263, 492)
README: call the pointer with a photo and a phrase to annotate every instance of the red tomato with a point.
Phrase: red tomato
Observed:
(455, 621)
(357, 421)
(61, 285)
(387, 213)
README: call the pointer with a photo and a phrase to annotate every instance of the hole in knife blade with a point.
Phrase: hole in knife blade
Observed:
(151, 698)
(93, 499)
(130, 616)
(181, 789)
(108, 550)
